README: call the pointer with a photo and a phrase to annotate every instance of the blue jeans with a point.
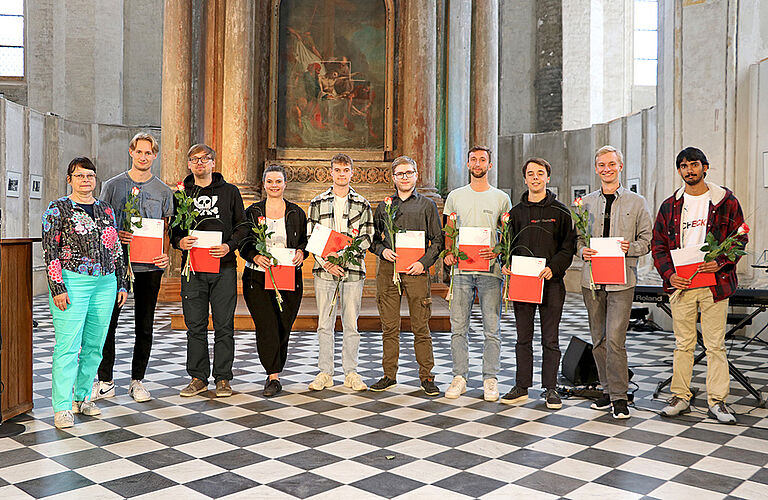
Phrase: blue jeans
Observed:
(489, 291)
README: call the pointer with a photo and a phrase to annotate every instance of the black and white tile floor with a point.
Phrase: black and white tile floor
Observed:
(339, 444)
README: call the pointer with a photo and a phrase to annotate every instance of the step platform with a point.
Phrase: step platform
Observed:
(306, 321)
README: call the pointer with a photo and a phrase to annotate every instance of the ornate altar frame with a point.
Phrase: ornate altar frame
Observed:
(326, 154)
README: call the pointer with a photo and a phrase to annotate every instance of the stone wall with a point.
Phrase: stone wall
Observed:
(36, 144)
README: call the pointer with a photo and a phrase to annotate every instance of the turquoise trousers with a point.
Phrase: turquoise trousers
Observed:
(80, 332)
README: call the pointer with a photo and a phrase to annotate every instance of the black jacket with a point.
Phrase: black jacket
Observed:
(545, 229)
(221, 209)
(295, 228)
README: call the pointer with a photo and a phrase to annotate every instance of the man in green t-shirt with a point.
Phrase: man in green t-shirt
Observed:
(478, 204)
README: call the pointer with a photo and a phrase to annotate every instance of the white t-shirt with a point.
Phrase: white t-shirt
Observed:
(278, 239)
(339, 205)
(478, 209)
(695, 216)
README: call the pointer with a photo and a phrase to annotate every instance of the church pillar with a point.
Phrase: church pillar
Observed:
(176, 90)
(237, 119)
(419, 90)
(484, 128)
(457, 87)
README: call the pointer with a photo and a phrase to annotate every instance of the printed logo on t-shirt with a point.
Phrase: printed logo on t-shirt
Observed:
(690, 224)
(206, 205)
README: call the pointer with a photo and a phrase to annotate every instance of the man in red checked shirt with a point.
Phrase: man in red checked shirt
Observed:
(684, 219)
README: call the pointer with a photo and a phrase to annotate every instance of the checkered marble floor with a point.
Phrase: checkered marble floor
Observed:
(396, 444)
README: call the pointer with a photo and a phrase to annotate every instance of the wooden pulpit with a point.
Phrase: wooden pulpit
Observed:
(16, 325)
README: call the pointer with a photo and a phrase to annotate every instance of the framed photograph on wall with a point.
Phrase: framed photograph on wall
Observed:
(12, 184)
(634, 185)
(578, 192)
(35, 186)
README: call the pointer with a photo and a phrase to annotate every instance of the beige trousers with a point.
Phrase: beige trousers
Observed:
(685, 309)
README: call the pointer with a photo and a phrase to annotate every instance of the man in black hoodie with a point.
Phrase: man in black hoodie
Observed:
(220, 208)
(544, 229)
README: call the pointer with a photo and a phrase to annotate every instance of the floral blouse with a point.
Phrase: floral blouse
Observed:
(77, 242)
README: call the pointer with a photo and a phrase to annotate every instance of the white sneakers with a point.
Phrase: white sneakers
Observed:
(457, 388)
(322, 381)
(490, 389)
(354, 382)
(138, 392)
(86, 408)
(63, 419)
(103, 390)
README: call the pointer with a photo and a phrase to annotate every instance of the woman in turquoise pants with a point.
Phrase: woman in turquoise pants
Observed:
(85, 271)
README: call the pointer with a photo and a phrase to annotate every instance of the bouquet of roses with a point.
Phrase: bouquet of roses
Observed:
(392, 230)
(260, 235)
(451, 235)
(131, 209)
(731, 247)
(185, 217)
(580, 218)
(350, 254)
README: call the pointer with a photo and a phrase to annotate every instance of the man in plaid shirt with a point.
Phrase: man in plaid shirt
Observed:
(684, 219)
(341, 209)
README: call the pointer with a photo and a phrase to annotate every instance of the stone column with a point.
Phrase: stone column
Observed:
(419, 71)
(458, 93)
(484, 128)
(176, 91)
(235, 157)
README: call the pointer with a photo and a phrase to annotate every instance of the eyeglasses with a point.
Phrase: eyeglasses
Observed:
(81, 177)
(200, 160)
(404, 175)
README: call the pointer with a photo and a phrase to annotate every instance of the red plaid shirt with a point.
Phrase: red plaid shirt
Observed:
(724, 219)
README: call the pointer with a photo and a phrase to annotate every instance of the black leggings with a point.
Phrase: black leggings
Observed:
(273, 328)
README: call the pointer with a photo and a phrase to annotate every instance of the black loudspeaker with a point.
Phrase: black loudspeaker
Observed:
(578, 364)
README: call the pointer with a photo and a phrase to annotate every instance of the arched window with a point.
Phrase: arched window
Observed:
(645, 44)
(12, 39)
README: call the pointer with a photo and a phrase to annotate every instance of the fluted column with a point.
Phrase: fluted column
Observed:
(176, 90)
(457, 92)
(484, 128)
(419, 91)
(237, 128)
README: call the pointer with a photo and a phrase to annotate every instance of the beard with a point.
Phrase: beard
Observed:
(478, 175)
(693, 180)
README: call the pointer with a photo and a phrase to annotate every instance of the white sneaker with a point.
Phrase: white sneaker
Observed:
(490, 389)
(103, 390)
(86, 408)
(63, 419)
(354, 382)
(720, 412)
(322, 381)
(138, 392)
(457, 388)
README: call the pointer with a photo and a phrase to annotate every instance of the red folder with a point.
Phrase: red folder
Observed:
(284, 272)
(526, 289)
(147, 242)
(609, 270)
(200, 257)
(409, 247)
(471, 241)
(687, 261)
(336, 242)
(325, 240)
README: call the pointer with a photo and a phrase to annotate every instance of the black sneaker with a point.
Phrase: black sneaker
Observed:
(620, 410)
(516, 395)
(602, 403)
(272, 388)
(429, 387)
(383, 384)
(553, 399)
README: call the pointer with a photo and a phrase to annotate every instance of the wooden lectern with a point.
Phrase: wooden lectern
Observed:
(16, 325)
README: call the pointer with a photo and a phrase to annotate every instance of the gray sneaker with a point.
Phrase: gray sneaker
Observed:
(86, 408)
(63, 419)
(676, 406)
(720, 412)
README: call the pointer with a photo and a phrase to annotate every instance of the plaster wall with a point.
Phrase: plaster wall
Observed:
(517, 69)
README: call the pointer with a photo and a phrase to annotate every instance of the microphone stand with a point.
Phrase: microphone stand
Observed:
(7, 429)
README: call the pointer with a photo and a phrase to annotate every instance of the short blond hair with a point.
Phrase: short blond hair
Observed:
(609, 149)
(143, 136)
